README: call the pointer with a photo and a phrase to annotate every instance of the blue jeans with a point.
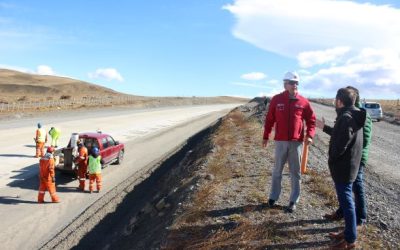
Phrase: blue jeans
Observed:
(359, 197)
(346, 202)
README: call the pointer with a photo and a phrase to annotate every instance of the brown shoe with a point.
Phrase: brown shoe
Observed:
(336, 235)
(342, 244)
(333, 216)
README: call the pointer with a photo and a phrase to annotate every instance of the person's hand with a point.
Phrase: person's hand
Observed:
(320, 123)
(308, 140)
(264, 143)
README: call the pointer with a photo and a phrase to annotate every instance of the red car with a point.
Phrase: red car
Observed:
(111, 151)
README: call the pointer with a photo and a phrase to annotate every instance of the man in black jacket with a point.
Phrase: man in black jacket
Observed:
(345, 149)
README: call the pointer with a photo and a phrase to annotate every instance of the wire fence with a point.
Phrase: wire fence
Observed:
(65, 103)
(69, 103)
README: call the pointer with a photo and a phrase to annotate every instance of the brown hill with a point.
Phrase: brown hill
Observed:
(16, 85)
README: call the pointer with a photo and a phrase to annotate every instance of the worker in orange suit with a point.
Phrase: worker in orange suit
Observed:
(47, 177)
(40, 139)
(82, 161)
(95, 163)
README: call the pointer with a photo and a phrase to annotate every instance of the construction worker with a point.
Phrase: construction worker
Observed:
(82, 162)
(47, 177)
(54, 134)
(95, 163)
(40, 139)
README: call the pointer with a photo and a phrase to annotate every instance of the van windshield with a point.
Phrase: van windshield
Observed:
(372, 105)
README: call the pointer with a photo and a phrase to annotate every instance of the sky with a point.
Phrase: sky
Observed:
(208, 47)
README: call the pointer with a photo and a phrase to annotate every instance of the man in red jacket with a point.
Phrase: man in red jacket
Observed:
(287, 111)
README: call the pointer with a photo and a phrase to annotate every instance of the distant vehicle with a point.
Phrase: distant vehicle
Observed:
(374, 110)
(111, 151)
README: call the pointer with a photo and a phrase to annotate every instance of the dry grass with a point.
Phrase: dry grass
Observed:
(244, 236)
(321, 184)
(223, 142)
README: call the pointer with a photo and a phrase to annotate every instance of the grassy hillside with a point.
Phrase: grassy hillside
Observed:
(16, 86)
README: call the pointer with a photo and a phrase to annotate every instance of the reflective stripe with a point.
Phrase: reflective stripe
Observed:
(82, 179)
(42, 192)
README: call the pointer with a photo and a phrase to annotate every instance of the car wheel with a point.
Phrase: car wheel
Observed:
(378, 120)
(120, 157)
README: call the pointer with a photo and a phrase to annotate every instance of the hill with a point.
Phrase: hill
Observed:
(16, 86)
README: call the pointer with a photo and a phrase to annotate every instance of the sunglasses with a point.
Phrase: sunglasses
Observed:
(292, 82)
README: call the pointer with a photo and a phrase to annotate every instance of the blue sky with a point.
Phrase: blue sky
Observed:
(207, 47)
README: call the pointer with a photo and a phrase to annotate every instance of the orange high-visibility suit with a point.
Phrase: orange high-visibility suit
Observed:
(82, 161)
(40, 139)
(47, 178)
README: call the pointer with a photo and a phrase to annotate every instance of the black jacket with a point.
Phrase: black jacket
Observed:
(346, 144)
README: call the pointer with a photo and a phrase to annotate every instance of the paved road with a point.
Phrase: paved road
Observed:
(384, 156)
(148, 135)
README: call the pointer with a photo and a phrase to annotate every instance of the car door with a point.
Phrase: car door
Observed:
(106, 150)
(113, 147)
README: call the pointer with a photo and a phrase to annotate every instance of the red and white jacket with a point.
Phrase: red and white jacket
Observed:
(288, 116)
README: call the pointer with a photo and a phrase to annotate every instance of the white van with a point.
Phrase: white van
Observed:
(374, 110)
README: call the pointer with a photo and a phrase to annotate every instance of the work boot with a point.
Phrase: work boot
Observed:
(271, 203)
(291, 207)
(333, 216)
(336, 235)
(342, 244)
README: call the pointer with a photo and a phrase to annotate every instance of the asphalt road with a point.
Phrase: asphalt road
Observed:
(149, 135)
(384, 154)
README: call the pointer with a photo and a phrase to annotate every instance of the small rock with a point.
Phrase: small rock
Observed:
(210, 177)
(161, 204)
(147, 208)
(132, 221)
(383, 225)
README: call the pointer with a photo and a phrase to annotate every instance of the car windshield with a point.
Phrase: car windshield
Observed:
(372, 105)
(90, 143)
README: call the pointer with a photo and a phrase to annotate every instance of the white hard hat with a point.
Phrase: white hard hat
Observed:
(291, 76)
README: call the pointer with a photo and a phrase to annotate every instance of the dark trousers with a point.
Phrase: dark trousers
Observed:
(359, 198)
(344, 193)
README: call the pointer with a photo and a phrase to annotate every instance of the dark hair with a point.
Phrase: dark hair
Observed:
(347, 96)
(357, 93)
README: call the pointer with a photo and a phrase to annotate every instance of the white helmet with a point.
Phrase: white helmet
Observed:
(291, 76)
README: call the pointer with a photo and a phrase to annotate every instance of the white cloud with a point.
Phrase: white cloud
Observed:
(311, 58)
(374, 72)
(289, 27)
(253, 76)
(108, 74)
(339, 42)
(45, 70)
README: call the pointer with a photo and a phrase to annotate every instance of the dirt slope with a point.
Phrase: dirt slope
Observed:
(16, 85)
